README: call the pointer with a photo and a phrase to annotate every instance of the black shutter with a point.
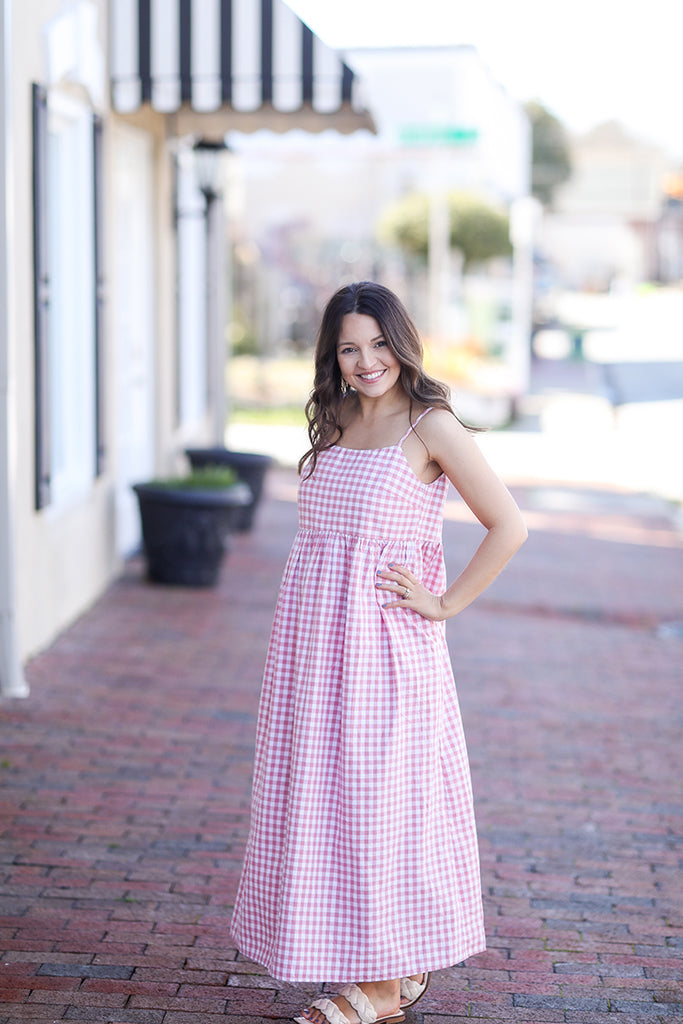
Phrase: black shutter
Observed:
(307, 39)
(266, 51)
(145, 49)
(41, 300)
(98, 253)
(226, 51)
(185, 54)
(177, 214)
(347, 84)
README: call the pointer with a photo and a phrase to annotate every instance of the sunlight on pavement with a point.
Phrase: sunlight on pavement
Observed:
(581, 440)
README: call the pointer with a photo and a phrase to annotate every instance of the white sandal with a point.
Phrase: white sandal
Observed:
(412, 991)
(361, 1004)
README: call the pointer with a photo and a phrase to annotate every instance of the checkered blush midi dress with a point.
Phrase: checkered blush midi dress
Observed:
(362, 860)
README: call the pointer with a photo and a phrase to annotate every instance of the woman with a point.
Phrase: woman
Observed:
(362, 864)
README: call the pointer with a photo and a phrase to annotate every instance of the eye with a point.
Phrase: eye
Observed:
(347, 350)
(381, 344)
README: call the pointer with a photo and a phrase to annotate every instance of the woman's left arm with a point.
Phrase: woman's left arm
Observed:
(452, 447)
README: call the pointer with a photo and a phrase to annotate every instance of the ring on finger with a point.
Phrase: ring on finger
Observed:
(406, 594)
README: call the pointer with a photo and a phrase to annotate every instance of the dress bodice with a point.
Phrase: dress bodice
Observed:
(371, 493)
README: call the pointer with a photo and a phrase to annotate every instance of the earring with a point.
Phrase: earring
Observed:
(344, 387)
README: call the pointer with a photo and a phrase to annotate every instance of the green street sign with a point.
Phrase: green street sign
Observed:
(437, 135)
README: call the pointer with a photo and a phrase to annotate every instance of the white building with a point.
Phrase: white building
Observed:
(604, 224)
(442, 104)
(105, 373)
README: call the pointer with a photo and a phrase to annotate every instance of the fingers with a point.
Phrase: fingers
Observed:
(397, 574)
(404, 590)
(399, 581)
(394, 577)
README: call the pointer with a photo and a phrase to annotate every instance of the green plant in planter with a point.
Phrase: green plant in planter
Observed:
(207, 478)
(250, 468)
(186, 523)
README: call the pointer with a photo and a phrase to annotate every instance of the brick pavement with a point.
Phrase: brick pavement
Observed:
(124, 785)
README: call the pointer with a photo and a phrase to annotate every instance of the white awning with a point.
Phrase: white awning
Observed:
(253, 61)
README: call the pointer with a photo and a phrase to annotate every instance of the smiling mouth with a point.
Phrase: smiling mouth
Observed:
(370, 377)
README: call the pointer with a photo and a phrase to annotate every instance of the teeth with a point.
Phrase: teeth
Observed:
(371, 376)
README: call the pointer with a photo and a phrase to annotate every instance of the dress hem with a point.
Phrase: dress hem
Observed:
(334, 978)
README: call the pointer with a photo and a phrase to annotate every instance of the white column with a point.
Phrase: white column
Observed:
(439, 245)
(215, 315)
(192, 296)
(12, 682)
(525, 215)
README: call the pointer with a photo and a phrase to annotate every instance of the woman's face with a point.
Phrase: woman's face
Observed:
(366, 362)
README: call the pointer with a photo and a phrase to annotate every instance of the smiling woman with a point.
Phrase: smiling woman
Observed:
(362, 864)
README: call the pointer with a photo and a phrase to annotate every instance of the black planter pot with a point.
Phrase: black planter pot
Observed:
(250, 468)
(185, 532)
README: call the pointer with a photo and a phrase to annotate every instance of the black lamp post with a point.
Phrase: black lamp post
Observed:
(208, 155)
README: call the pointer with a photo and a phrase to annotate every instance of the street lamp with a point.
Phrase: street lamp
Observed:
(208, 155)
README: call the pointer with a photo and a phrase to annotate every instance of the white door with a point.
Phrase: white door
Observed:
(133, 322)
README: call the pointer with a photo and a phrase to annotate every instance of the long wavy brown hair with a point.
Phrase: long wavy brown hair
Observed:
(324, 407)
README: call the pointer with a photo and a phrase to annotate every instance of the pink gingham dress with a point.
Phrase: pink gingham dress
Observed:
(362, 860)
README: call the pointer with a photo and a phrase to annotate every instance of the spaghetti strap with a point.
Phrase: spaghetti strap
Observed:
(413, 425)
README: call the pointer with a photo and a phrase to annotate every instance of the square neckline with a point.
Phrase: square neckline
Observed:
(391, 447)
(383, 448)
(387, 447)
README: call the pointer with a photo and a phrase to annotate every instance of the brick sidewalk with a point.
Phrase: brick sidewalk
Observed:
(124, 785)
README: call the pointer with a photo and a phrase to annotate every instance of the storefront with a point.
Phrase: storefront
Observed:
(105, 366)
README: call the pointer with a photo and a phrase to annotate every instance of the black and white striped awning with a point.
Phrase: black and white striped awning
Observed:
(240, 57)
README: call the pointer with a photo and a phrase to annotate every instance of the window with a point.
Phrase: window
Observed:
(68, 297)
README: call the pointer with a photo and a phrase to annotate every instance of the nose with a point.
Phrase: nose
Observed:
(366, 360)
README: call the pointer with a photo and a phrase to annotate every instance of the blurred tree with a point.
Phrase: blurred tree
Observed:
(479, 230)
(550, 159)
(405, 224)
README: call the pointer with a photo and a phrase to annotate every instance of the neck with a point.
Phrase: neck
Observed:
(392, 402)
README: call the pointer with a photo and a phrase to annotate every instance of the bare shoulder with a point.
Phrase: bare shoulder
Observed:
(442, 433)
